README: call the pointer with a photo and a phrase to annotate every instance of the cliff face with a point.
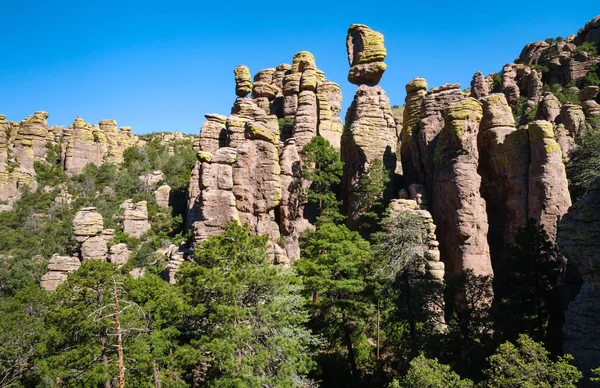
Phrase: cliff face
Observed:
(30, 140)
(578, 234)
(248, 164)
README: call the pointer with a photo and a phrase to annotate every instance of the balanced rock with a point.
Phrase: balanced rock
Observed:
(243, 81)
(366, 53)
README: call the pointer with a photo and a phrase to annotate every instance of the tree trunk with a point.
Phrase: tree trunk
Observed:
(351, 355)
(119, 339)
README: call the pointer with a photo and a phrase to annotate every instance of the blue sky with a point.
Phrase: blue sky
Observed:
(161, 65)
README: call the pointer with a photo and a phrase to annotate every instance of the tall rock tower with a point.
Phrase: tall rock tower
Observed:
(370, 128)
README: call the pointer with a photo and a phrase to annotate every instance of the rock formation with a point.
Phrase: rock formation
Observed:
(92, 244)
(248, 167)
(135, 218)
(457, 204)
(78, 145)
(578, 234)
(370, 130)
(162, 196)
(548, 191)
(59, 268)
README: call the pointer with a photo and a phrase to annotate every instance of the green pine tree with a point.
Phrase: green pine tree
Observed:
(246, 322)
(321, 165)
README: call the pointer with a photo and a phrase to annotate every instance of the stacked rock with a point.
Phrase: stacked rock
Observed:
(370, 131)
(135, 218)
(248, 167)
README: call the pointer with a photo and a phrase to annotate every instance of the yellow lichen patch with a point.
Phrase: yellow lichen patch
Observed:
(204, 157)
(539, 130)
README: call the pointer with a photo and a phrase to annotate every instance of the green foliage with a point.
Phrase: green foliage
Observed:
(524, 113)
(496, 81)
(21, 331)
(592, 78)
(333, 268)
(584, 161)
(370, 194)
(429, 373)
(321, 165)
(470, 326)
(36, 229)
(411, 302)
(596, 373)
(562, 94)
(527, 364)
(49, 173)
(246, 320)
(79, 346)
(540, 67)
(588, 47)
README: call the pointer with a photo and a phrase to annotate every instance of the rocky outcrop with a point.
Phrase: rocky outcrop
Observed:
(370, 130)
(135, 218)
(79, 144)
(119, 254)
(92, 244)
(213, 133)
(424, 141)
(215, 204)
(548, 108)
(578, 233)
(416, 90)
(59, 268)
(459, 210)
(548, 191)
(587, 97)
(87, 223)
(248, 167)
(504, 170)
(162, 196)
(479, 86)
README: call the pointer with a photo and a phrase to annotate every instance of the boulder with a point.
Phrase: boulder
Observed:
(135, 218)
(366, 53)
(162, 196)
(243, 81)
(87, 223)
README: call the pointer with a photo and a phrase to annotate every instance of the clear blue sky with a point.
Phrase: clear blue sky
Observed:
(160, 65)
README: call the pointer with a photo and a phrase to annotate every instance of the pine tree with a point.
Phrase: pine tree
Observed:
(321, 165)
(246, 322)
(334, 267)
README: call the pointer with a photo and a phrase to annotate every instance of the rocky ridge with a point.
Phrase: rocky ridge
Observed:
(32, 139)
